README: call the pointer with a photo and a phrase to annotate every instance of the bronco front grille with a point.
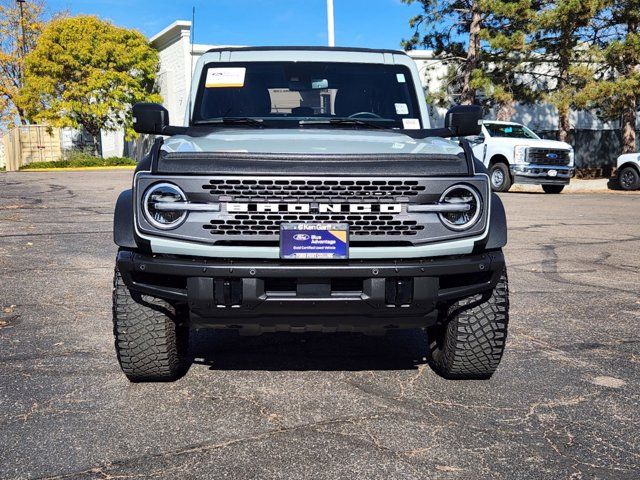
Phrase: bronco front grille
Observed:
(317, 189)
(251, 210)
(251, 224)
(548, 156)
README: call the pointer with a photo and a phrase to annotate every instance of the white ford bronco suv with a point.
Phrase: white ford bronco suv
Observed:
(514, 154)
(308, 192)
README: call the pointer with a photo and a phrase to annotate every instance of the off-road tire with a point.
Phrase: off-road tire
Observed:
(553, 188)
(469, 341)
(629, 179)
(151, 341)
(506, 176)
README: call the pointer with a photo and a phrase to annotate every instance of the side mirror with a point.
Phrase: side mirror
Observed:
(464, 120)
(151, 118)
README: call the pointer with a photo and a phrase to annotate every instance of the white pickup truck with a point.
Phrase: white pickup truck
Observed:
(628, 167)
(514, 154)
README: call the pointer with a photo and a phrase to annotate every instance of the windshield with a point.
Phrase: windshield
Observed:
(376, 94)
(509, 131)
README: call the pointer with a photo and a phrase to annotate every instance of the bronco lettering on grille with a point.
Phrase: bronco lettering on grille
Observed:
(315, 208)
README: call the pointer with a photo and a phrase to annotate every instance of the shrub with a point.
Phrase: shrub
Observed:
(79, 159)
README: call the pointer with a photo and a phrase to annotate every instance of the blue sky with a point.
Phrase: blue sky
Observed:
(359, 23)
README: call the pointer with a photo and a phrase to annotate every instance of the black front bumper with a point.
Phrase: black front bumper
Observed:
(226, 293)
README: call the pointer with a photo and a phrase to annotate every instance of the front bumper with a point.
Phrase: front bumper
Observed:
(539, 174)
(236, 294)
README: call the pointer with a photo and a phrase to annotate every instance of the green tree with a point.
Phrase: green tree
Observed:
(85, 72)
(483, 41)
(564, 34)
(13, 47)
(615, 90)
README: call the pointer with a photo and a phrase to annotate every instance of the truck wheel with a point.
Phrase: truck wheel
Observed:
(629, 179)
(469, 343)
(552, 188)
(151, 342)
(500, 177)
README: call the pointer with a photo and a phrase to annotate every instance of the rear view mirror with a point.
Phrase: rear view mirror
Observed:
(464, 120)
(150, 118)
(153, 118)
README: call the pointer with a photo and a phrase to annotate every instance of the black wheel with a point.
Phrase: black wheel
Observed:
(151, 342)
(500, 177)
(469, 342)
(552, 188)
(629, 178)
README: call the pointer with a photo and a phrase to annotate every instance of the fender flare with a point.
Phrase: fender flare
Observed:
(123, 228)
(497, 237)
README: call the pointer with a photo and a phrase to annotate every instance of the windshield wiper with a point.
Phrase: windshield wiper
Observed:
(253, 122)
(345, 121)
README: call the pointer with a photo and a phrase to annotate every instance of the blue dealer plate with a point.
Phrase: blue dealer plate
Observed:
(326, 241)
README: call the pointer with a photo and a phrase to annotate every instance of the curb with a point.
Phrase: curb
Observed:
(596, 186)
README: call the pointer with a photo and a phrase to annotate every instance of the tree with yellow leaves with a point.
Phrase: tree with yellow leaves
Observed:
(86, 72)
(13, 47)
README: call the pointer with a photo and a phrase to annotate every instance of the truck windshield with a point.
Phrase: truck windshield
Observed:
(376, 94)
(509, 131)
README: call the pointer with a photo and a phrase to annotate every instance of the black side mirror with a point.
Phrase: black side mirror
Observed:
(464, 120)
(150, 118)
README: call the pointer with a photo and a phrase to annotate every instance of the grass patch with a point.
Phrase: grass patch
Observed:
(79, 160)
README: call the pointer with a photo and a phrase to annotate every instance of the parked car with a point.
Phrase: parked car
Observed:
(309, 193)
(628, 168)
(514, 154)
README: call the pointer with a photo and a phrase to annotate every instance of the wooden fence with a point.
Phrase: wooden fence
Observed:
(31, 143)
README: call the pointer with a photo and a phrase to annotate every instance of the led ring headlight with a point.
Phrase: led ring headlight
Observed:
(461, 194)
(165, 218)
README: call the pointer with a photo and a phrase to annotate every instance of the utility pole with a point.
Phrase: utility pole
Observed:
(24, 36)
(332, 37)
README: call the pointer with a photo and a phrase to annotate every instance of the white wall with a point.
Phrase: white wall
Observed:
(174, 52)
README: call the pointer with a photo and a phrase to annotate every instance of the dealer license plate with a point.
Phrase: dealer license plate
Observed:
(326, 241)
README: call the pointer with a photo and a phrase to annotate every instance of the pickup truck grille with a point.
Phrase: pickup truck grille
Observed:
(269, 224)
(548, 156)
(316, 189)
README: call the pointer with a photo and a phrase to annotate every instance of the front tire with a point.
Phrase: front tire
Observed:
(151, 341)
(500, 177)
(553, 188)
(629, 179)
(470, 341)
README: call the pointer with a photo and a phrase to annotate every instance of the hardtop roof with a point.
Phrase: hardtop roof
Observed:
(308, 48)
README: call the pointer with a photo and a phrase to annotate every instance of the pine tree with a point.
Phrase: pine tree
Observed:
(483, 41)
(563, 36)
(615, 91)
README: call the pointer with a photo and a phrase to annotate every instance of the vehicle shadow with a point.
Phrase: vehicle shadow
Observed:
(226, 350)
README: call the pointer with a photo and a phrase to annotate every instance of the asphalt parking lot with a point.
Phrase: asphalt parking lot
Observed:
(565, 402)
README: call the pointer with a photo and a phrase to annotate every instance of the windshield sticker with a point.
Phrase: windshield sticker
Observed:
(225, 77)
(400, 77)
(402, 109)
(411, 123)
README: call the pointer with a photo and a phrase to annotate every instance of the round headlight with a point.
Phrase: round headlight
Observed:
(157, 202)
(462, 195)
